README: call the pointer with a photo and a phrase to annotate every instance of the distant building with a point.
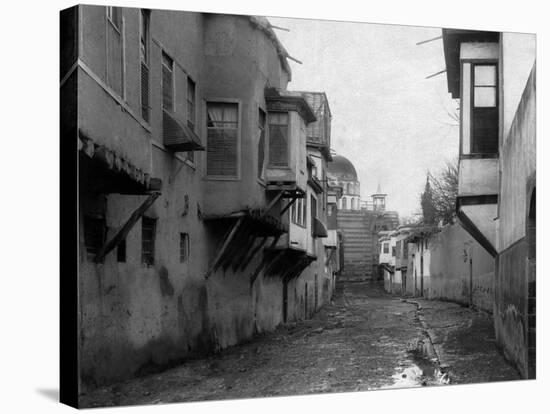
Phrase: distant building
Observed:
(358, 222)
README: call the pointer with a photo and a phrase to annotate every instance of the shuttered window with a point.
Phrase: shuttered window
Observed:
(144, 58)
(222, 139)
(114, 49)
(278, 139)
(148, 231)
(167, 83)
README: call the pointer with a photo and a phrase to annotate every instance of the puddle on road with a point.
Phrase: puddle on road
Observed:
(422, 372)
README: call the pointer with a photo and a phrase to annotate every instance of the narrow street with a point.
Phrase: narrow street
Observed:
(365, 340)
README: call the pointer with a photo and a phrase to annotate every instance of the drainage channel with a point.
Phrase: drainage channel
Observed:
(426, 368)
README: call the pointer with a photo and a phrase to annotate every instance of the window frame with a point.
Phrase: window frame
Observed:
(482, 62)
(263, 129)
(288, 138)
(173, 81)
(120, 30)
(144, 58)
(238, 102)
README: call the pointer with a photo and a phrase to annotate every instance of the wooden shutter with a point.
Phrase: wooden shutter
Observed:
(222, 152)
(222, 140)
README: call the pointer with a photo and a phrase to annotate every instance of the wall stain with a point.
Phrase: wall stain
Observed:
(166, 287)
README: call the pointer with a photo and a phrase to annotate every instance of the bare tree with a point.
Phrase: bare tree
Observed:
(438, 200)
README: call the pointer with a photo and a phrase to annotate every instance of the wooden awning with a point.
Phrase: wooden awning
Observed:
(177, 136)
(105, 170)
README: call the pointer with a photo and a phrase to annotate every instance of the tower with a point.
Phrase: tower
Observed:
(379, 200)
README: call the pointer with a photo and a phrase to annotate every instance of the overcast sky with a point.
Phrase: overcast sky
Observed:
(388, 120)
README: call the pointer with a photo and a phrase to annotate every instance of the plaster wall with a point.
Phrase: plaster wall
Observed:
(449, 269)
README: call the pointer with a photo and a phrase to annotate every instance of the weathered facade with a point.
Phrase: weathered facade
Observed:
(493, 74)
(191, 154)
(449, 264)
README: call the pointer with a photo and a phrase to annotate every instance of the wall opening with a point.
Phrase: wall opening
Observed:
(531, 234)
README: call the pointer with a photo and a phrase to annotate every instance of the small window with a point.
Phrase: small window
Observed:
(148, 230)
(167, 83)
(121, 252)
(304, 212)
(115, 55)
(144, 58)
(222, 139)
(94, 234)
(184, 247)
(278, 139)
(261, 143)
(191, 104)
(386, 248)
(393, 251)
(191, 111)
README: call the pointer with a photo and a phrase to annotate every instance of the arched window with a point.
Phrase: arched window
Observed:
(344, 203)
(349, 190)
(353, 203)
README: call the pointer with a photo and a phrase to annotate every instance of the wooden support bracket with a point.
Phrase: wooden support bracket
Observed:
(248, 258)
(125, 229)
(222, 250)
(292, 201)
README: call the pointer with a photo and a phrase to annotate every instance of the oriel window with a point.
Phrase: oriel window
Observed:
(484, 109)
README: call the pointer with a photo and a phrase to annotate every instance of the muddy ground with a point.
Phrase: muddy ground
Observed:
(364, 340)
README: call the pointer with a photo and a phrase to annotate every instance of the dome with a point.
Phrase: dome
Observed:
(340, 168)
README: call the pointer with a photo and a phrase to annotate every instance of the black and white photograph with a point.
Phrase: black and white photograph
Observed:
(280, 206)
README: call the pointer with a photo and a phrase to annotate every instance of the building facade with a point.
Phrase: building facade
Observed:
(358, 222)
(493, 75)
(191, 153)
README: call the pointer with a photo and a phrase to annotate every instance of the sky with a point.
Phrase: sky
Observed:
(390, 121)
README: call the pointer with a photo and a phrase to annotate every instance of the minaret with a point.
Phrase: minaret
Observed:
(379, 200)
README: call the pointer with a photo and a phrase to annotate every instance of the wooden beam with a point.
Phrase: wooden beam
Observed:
(273, 202)
(233, 247)
(226, 243)
(248, 258)
(292, 201)
(125, 229)
(244, 251)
